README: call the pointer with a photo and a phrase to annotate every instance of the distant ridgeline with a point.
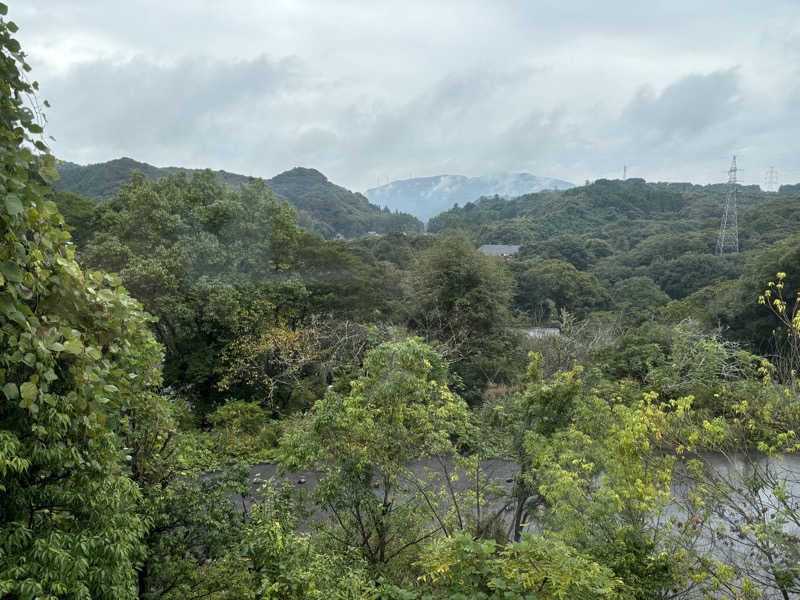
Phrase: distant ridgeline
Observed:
(322, 207)
(623, 213)
(426, 197)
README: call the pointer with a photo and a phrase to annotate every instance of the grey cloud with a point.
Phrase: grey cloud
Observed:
(138, 105)
(685, 108)
(364, 91)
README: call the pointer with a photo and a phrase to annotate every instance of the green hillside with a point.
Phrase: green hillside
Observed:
(333, 209)
(102, 180)
(632, 245)
(323, 207)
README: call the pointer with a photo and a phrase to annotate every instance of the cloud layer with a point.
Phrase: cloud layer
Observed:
(369, 92)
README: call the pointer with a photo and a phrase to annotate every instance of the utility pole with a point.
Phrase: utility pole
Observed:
(728, 240)
(624, 172)
(771, 180)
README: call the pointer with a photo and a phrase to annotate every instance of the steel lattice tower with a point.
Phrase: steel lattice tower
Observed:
(728, 240)
(771, 180)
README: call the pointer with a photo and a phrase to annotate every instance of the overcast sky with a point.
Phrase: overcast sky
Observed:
(371, 91)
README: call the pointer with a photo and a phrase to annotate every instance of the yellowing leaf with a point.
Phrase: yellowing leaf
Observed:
(73, 346)
(28, 392)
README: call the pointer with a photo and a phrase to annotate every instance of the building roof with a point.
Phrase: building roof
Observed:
(498, 249)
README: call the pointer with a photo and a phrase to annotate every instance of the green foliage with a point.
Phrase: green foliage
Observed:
(289, 565)
(267, 356)
(787, 310)
(194, 542)
(461, 297)
(400, 409)
(78, 212)
(240, 432)
(690, 272)
(647, 468)
(535, 567)
(736, 307)
(608, 494)
(322, 207)
(547, 286)
(77, 358)
(638, 298)
(543, 407)
(103, 180)
(228, 273)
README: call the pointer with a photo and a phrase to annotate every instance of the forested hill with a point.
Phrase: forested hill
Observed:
(102, 180)
(428, 196)
(634, 244)
(623, 212)
(329, 209)
(323, 207)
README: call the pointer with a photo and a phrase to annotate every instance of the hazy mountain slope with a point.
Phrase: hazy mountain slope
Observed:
(102, 180)
(426, 197)
(322, 207)
(337, 210)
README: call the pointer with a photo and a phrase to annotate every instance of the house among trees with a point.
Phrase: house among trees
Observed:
(503, 250)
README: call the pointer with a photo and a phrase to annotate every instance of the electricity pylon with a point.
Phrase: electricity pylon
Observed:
(728, 240)
(771, 180)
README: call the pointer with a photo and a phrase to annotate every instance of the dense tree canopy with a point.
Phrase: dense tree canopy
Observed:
(363, 419)
(462, 297)
(76, 356)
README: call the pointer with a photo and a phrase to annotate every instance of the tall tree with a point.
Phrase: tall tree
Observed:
(75, 354)
(400, 409)
(462, 298)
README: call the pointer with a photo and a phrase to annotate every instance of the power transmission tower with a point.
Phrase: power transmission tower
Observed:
(728, 240)
(771, 180)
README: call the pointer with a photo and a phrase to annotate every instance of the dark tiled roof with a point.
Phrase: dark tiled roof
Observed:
(498, 249)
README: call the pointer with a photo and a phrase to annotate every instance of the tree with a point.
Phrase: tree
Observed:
(462, 298)
(607, 487)
(742, 478)
(400, 409)
(75, 354)
(789, 317)
(287, 565)
(543, 407)
(267, 355)
(78, 212)
(638, 298)
(558, 284)
(195, 253)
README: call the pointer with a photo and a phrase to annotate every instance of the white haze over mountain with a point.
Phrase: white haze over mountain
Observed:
(368, 92)
(425, 197)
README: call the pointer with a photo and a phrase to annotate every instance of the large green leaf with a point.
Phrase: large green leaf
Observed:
(13, 205)
(11, 271)
(11, 391)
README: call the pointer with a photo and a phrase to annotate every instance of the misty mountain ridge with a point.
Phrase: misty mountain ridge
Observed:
(426, 197)
(322, 207)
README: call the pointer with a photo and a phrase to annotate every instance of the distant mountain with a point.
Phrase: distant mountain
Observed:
(102, 180)
(334, 209)
(322, 207)
(425, 197)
